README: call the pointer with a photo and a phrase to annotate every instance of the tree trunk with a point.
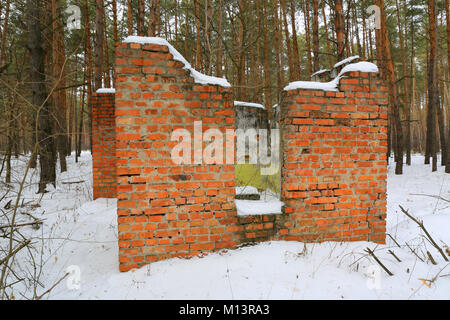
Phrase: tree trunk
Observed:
(277, 38)
(39, 96)
(115, 36)
(316, 47)
(267, 71)
(89, 69)
(330, 57)
(59, 95)
(406, 95)
(447, 11)
(413, 96)
(141, 18)
(99, 36)
(219, 65)
(130, 18)
(198, 48)
(433, 87)
(288, 41)
(339, 26)
(384, 51)
(296, 54)
(308, 36)
(4, 34)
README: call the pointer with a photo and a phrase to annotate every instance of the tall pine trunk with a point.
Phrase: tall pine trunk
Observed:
(433, 87)
(99, 40)
(339, 27)
(43, 128)
(384, 53)
(316, 47)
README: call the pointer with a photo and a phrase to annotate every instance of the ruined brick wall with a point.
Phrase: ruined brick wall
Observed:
(333, 152)
(167, 210)
(335, 169)
(103, 146)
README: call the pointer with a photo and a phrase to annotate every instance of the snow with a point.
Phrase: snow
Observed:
(106, 90)
(258, 207)
(348, 60)
(246, 190)
(315, 85)
(333, 84)
(198, 77)
(248, 104)
(320, 72)
(80, 232)
(269, 203)
(362, 66)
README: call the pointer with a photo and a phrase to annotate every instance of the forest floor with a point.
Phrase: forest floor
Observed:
(80, 234)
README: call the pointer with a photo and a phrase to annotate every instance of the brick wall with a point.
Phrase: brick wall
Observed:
(103, 146)
(167, 210)
(334, 171)
(333, 174)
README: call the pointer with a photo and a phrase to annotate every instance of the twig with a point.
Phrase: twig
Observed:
(393, 254)
(420, 224)
(394, 240)
(431, 258)
(52, 287)
(379, 262)
(12, 253)
(413, 251)
(73, 182)
(429, 195)
(21, 224)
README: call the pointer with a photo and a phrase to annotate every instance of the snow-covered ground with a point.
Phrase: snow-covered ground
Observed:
(80, 234)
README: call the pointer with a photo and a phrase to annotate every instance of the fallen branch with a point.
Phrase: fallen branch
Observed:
(12, 253)
(393, 254)
(394, 240)
(420, 224)
(34, 223)
(413, 251)
(431, 258)
(52, 287)
(429, 195)
(73, 182)
(379, 262)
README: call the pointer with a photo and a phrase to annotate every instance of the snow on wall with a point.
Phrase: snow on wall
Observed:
(348, 60)
(248, 104)
(333, 85)
(334, 157)
(106, 90)
(334, 160)
(198, 77)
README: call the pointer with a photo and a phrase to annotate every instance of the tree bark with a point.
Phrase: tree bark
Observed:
(384, 52)
(39, 96)
(316, 47)
(433, 87)
(296, 54)
(219, 65)
(99, 37)
(308, 36)
(288, 40)
(447, 11)
(59, 81)
(339, 26)
(130, 18)
(198, 48)
(407, 106)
